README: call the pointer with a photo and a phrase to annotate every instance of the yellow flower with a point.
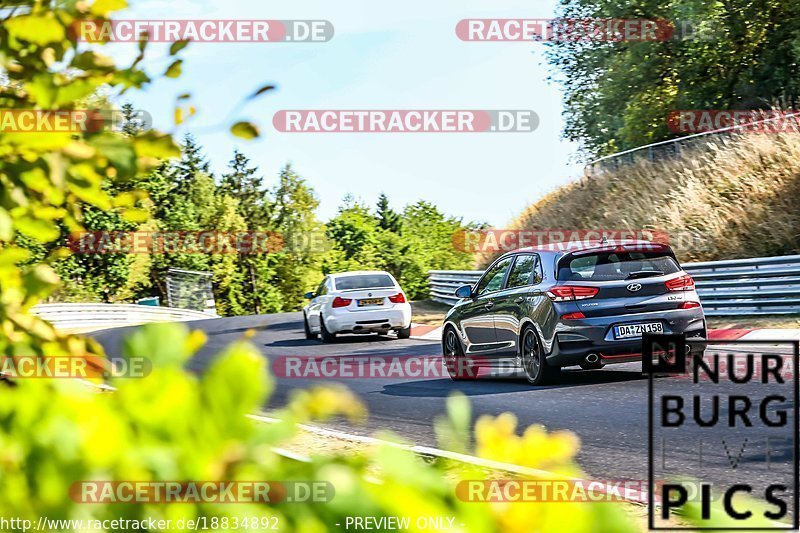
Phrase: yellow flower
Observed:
(496, 439)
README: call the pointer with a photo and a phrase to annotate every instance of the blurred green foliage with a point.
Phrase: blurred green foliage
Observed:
(48, 178)
(174, 425)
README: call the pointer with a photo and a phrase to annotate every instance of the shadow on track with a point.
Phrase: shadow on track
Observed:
(290, 325)
(441, 388)
(238, 330)
(352, 339)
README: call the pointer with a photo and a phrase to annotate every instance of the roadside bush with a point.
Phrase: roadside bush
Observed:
(173, 425)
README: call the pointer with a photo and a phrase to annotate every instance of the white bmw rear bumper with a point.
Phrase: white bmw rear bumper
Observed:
(395, 317)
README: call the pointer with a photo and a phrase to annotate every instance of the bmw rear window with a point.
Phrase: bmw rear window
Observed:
(616, 266)
(365, 281)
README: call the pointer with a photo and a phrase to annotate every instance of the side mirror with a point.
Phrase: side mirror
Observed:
(309, 295)
(464, 291)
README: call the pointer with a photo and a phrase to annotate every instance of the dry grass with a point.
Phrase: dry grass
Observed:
(719, 201)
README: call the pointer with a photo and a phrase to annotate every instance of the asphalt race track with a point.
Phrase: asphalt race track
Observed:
(606, 408)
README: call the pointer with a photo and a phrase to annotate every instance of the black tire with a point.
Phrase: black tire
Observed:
(309, 336)
(404, 333)
(458, 367)
(324, 334)
(534, 363)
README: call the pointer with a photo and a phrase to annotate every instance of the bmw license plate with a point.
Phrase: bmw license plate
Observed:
(637, 330)
(370, 301)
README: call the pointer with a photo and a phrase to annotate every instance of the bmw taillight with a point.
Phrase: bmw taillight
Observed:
(398, 298)
(569, 293)
(682, 283)
(341, 302)
(573, 316)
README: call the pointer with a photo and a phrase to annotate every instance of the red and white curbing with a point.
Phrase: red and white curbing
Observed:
(427, 332)
(762, 334)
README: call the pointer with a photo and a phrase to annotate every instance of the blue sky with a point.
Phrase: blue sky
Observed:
(383, 56)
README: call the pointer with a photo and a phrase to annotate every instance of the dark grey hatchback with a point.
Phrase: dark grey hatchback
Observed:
(538, 309)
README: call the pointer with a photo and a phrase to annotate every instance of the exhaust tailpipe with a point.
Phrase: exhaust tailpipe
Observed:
(592, 358)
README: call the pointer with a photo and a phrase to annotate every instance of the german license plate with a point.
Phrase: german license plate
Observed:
(370, 301)
(637, 330)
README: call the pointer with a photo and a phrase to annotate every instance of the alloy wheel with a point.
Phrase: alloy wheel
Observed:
(531, 356)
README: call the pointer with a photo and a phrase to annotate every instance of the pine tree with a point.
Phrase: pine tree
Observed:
(294, 202)
(192, 163)
(132, 122)
(242, 184)
(387, 218)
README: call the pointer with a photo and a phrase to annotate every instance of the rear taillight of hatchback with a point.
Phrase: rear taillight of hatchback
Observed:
(682, 283)
(571, 293)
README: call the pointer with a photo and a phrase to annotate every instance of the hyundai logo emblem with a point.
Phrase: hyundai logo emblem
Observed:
(369, 294)
(633, 287)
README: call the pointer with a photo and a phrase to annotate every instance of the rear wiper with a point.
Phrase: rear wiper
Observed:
(644, 274)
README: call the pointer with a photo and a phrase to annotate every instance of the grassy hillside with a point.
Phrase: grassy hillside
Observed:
(716, 201)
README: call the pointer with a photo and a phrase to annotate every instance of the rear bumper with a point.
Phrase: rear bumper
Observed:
(394, 318)
(574, 340)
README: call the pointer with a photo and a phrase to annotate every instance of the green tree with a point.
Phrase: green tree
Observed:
(618, 95)
(293, 218)
(243, 184)
(192, 164)
(354, 230)
(387, 218)
(429, 233)
(426, 243)
(132, 122)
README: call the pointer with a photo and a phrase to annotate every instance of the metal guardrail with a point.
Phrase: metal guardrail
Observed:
(443, 283)
(87, 317)
(758, 286)
(674, 147)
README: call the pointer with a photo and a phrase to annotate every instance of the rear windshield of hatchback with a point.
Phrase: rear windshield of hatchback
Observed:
(366, 281)
(616, 266)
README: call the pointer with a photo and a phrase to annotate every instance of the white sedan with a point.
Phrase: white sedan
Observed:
(357, 302)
